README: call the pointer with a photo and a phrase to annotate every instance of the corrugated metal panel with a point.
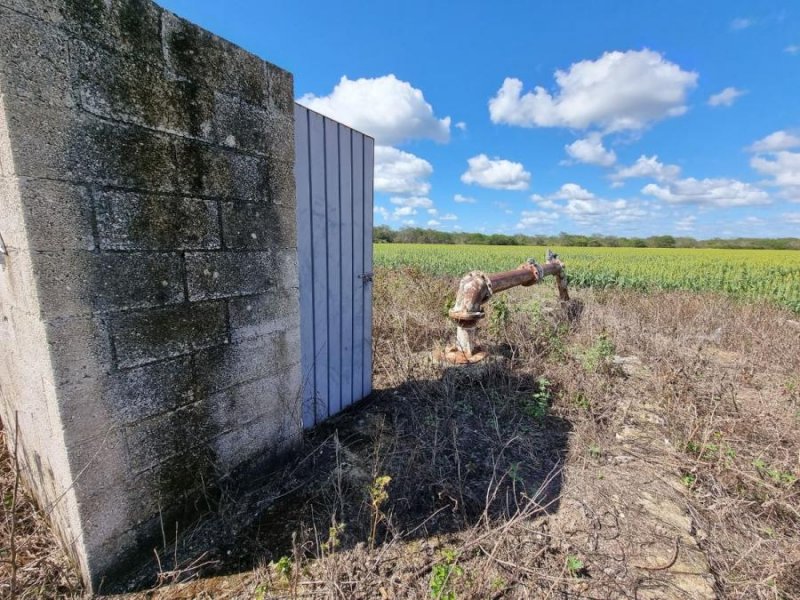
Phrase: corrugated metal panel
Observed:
(334, 172)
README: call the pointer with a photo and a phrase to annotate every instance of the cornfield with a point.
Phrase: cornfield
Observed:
(772, 275)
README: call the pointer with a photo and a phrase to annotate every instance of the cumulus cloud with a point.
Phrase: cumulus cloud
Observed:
(463, 199)
(413, 202)
(399, 172)
(403, 211)
(584, 208)
(433, 223)
(775, 142)
(686, 223)
(496, 173)
(648, 167)
(618, 91)
(461, 126)
(381, 212)
(572, 191)
(449, 217)
(387, 108)
(784, 169)
(726, 97)
(711, 192)
(793, 218)
(590, 150)
(536, 218)
(792, 49)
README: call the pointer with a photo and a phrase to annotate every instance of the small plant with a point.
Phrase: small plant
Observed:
(777, 476)
(539, 404)
(377, 496)
(575, 566)
(443, 574)
(498, 319)
(689, 480)
(581, 401)
(596, 356)
(284, 567)
(335, 532)
(595, 451)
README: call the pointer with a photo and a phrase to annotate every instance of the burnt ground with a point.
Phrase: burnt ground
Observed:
(646, 446)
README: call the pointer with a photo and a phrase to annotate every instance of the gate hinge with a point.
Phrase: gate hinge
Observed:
(365, 277)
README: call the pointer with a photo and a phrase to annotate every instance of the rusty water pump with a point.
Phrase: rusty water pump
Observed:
(476, 288)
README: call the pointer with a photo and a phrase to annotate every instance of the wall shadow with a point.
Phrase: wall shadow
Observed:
(464, 445)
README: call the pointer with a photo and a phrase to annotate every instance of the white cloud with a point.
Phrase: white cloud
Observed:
(496, 173)
(381, 212)
(449, 217)
(433, 212)
(409, 222)
(793, 218)
(726, 97)
(461, 126)
(784, 168)
(618, 91)
(535, 218)
(403, 211)
(647, 167)
(572, 191)
(741, 23)
(775, 142)
(463, 199)
(390, 110)
(686, 223)
(413, 202)
(713, 192)
(433, 223)
(399, 172)
(792, 49)
(583, 207)
(590, 150)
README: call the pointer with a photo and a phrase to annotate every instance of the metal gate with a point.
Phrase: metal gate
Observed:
(334, 177)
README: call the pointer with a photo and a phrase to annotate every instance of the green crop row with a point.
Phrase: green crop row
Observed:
(772, 275)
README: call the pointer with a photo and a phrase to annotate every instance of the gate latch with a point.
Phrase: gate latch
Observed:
(365, 277)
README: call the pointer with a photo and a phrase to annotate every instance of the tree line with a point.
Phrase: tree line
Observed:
(419, 235)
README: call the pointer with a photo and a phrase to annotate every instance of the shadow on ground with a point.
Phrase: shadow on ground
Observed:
(430, 457)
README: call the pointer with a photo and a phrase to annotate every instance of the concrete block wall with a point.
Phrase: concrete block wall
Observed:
(149, 294)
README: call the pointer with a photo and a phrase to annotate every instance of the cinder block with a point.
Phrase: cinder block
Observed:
(200, 56)
(127, 156)
(38, 138)
(277, 397)
(79, 348)
(132, 26)
(217, 369)
(131, 221)
(124, 87)
(34, 65)
(211, 171)
(92, 406)
(57, 215)
(225, 274)
(254, 226)
(51, 11)
(282, 183)
(77, 282)
(155, 441)
(252, 128)
(148, 336)
(255, 316)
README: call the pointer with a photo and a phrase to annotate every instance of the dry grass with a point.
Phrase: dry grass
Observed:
(515, 479)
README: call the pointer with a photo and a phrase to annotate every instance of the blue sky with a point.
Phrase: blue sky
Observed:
(620, 118)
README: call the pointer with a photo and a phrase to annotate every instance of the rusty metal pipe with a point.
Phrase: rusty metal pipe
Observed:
(475, 288)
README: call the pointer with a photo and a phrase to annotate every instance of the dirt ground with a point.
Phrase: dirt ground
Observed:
(635, 446)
